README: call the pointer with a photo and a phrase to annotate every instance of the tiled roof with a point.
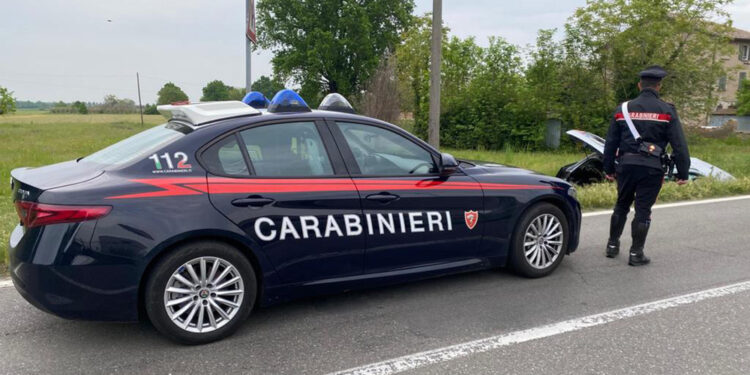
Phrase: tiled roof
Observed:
(740, 34)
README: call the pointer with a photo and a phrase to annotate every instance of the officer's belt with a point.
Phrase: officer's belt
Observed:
(631, 158)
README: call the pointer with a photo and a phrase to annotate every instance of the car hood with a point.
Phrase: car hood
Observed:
(590, 140)
(697, 166)
(495, 169)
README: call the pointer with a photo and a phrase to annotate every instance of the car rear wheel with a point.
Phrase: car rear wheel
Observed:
(200, 292)
(539, 241)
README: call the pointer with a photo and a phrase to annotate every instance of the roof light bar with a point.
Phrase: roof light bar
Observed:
(288, 101)
(336, 102)
(201, 113)
(256, 100)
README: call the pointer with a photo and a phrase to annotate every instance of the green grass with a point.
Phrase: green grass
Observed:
(546, 162)
(34, 138)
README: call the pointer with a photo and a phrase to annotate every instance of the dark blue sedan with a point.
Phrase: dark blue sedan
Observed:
(226, 207)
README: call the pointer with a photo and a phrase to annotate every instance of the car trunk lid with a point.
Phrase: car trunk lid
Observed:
(29, 183)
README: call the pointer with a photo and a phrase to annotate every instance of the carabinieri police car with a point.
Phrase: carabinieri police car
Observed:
(227, 207)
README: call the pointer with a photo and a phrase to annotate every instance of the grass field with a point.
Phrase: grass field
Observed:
(32, 139)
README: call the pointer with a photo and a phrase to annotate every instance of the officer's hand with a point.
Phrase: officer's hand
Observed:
(611, 177)
(681, 182)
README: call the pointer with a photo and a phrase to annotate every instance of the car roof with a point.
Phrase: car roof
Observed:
(263, 115)
(200, 115)
(226, 125)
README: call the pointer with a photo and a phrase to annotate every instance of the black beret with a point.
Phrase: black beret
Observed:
(653, 72)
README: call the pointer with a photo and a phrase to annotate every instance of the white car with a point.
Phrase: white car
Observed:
(591, 168)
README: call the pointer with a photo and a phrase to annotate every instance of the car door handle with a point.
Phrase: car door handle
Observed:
(382, 197)
(252, 201)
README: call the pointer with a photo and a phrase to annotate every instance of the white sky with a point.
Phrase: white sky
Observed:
(54, 50)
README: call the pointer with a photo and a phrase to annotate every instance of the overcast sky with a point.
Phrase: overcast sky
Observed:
(55, 50)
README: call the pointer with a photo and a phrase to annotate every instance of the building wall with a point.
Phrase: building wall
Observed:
(737, 67)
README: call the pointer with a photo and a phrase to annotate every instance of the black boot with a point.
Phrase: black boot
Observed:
(640, 231)
(616, 225)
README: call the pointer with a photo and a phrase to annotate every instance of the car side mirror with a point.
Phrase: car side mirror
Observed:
(448, 165)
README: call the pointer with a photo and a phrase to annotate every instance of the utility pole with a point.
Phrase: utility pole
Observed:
(250, 25)
(140, 106)
(433, 129)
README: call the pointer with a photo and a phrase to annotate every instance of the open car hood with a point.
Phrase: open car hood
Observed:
(701, 168)
(698, 167)
(590, 140)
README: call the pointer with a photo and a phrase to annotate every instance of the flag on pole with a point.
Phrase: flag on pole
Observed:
(250, 33)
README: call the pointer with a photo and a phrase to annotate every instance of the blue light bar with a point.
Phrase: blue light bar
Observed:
(256, 100)
(287, 101)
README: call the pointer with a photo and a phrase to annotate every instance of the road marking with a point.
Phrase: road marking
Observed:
(4, 283)
(449, 353)
(678, 204)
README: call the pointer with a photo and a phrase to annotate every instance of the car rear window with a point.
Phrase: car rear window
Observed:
(138, 146)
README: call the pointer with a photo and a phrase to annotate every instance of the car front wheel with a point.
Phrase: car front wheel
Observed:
(200, 292)
(539, 241)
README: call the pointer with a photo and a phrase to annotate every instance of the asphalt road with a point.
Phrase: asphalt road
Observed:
(693, 248)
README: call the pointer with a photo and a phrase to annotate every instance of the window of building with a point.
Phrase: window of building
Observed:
(745, 52)
(723, 83)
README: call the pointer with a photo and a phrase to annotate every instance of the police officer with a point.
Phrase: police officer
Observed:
(640, 154)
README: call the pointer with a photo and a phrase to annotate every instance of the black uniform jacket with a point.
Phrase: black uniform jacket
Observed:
(657, 122)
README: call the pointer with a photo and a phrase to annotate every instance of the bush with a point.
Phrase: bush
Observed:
(7, 102)
(150, 109)
(114, 105)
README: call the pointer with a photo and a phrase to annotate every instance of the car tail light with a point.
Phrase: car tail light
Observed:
(37, 214)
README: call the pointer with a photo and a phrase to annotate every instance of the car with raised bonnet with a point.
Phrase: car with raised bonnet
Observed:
(228, 207)
(590, 169)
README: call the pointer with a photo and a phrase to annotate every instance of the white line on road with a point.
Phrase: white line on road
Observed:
(413, 361)
(678, 204)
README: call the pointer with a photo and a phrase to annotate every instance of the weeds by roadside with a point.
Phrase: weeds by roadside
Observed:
(603, 195)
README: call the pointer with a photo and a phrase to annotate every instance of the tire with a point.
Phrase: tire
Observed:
(226, 290)
(542, 257)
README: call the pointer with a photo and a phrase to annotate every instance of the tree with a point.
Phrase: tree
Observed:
(170, 93)
(381, 99)
(7, 102)
(330, 45)
(215, 91)
(80, 107)
(413, 69)
(743, 98)
(112, 104)
(235, 93)
(686, 37)
(267, 86)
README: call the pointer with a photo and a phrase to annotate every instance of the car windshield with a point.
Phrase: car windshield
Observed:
(138, 146)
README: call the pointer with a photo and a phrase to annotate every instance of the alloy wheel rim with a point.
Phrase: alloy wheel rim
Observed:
(543, 241)
(204, 294)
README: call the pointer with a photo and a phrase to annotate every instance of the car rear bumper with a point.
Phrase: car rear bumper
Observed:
(69, 284)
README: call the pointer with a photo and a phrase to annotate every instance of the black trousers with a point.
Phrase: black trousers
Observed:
(640, 184)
